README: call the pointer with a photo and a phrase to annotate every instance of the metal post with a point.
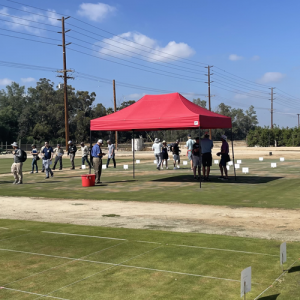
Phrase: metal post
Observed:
(91, 158)
(298, 119)
(209, 82)
(272, 110)
(133, 155)
(200, 156)
(233, 154)
(115, 109)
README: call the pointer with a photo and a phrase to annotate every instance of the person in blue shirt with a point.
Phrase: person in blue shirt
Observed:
(47, 159)
(35, 158)
(97, 155)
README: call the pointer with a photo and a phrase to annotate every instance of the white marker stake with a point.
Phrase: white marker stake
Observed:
(237, 166)
(282, 254)
(103, 167)
(83, 167)
(238, 161)
(185, 163)
(281, 158)
(245, 170)
(260, 158)
(245, 281)
(228, 168)
(273, 165)
(138, 161)
(230, 163)
(125, 167)
(216, 162)
(155, 162)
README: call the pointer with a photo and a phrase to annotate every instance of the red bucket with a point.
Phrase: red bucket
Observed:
(88, 179)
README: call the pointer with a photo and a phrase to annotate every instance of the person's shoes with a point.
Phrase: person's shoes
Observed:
(36, 171)
(15, 182)
(114, 167)
(31, 172)
(174, 168)
(43, 171)
(195, 178)
(220, 177)
(53, 169)
(178, 167)
(52, 175)
(99, 182)
(207, 179)
(47, 177)
(158, 168)
(60, 169)
(19, 182)
(72, 168)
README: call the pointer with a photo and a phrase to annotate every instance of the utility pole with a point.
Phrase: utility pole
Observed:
(209, 82)
(272, 110)
(298, 119)
(115, 109)
(65, 77)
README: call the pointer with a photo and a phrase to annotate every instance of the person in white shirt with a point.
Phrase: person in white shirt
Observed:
(111, 153)
(59, 152)
(84, 154)
(189, 146)
(157, 148)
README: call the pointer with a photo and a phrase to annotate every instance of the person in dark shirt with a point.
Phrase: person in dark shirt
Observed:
(196, 156)
(72, 152)
(165, 155)
(176, 154)
(47, 159)
(224, 158)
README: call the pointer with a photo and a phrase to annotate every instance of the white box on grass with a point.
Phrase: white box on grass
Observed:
(281, 158)
(237, 166)
(245, 281)
(228, 168)
(245, 170)
(260, 158)
(216, 162)
(185, 163)
(138, 161)
(282, 253)
(230, 163)
(273, 165)
(125, 167)
(238, 161)
(155, 161)
(83, 167)
(103, 167)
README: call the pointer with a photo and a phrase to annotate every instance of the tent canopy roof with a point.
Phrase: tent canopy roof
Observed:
(161, 112)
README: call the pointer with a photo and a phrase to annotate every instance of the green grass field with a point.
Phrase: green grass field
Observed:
(55, 261)
(262, 187)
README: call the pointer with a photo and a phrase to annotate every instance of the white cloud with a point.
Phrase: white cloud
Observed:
(132, 41)
(240, 96)
(271, 77)
(235, 57)
(28, 79)
(5, 81)
(255, 58)
(95, 12)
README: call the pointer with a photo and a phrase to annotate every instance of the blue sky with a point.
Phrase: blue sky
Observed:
(255, 40)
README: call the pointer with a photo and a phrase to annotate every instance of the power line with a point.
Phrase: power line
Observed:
(17, 37)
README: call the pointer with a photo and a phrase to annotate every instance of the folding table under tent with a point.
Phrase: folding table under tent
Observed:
(161, 112)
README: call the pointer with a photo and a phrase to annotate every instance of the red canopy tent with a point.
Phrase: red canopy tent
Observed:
(161, 112)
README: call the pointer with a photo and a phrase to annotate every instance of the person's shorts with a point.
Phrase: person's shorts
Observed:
(196, 161)
(190, 155)
(206, 159)
(176, 157)
(224, 159)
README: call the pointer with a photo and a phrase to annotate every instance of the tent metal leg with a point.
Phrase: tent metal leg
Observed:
(233, 154)
(200, 156)
(133, 155)
(91, 158)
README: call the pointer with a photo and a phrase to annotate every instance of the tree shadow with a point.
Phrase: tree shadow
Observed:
(294, 269)
(271, 297)
(239, 179)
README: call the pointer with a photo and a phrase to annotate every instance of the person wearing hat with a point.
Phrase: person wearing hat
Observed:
(165, 155)
(224, 157)
(206, 146)
(189, 145)
(196, 156)
(111, 153)
(84, 155)
(72, 152)
(176, 151)
(43, 167)
(16, 167)
(59, 152)
(97, 155)
(47, 159)
(157, 148)
(35, 157)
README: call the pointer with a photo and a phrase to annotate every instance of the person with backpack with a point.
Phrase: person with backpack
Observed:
(47, 159)
(176, 154)
(35, 158)
(72, 152)
(20, 156)
(97, 160)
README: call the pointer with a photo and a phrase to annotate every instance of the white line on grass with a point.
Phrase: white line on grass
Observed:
(101, 271)
(148, 242)
(83, 235)
(218, 249)
(60, 265)
(4, 228)
(275, 280)
(33, 293)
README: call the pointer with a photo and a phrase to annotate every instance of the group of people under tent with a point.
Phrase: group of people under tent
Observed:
(47, 154)
(198, 154)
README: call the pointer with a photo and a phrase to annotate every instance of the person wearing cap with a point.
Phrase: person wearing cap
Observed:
(59, 152)
(165, 155)
(35, 157)
(206, 146)
(176, 154)
(84, 155)
(43, 167)
(97, 155)
(157, 148)
(111, 153)
(196, 156)
(72, 152)
(16, 167)
(47, 159)
(189, 145)
(224, 157)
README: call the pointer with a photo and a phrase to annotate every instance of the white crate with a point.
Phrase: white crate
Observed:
(237, 166)
(273, 165)
(245, 170)
(260, 158)
(125, 167)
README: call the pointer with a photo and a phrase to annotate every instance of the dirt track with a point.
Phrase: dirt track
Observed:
(245, 222)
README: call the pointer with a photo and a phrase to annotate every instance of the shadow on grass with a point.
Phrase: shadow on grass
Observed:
(239, 179)
(294, 269)
(271, 297)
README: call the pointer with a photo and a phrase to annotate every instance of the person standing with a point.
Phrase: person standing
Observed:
(47, 159)
(59, 152)
(43, 167)
(157, 148)
(35, 157)
(165, 155)
(72, 152)
(97, 160)
(17, 165)
(111, 153)
(206, 146)
(176, 154)
(224, 158)
(84, 155)
(196, 156)
(189, 145)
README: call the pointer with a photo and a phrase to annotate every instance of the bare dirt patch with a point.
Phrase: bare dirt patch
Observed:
(245, 222)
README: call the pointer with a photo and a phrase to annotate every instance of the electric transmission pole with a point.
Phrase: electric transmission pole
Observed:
(272, 110)
(298, 119)
(209, 82)
(115, 109)
(65, 77)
